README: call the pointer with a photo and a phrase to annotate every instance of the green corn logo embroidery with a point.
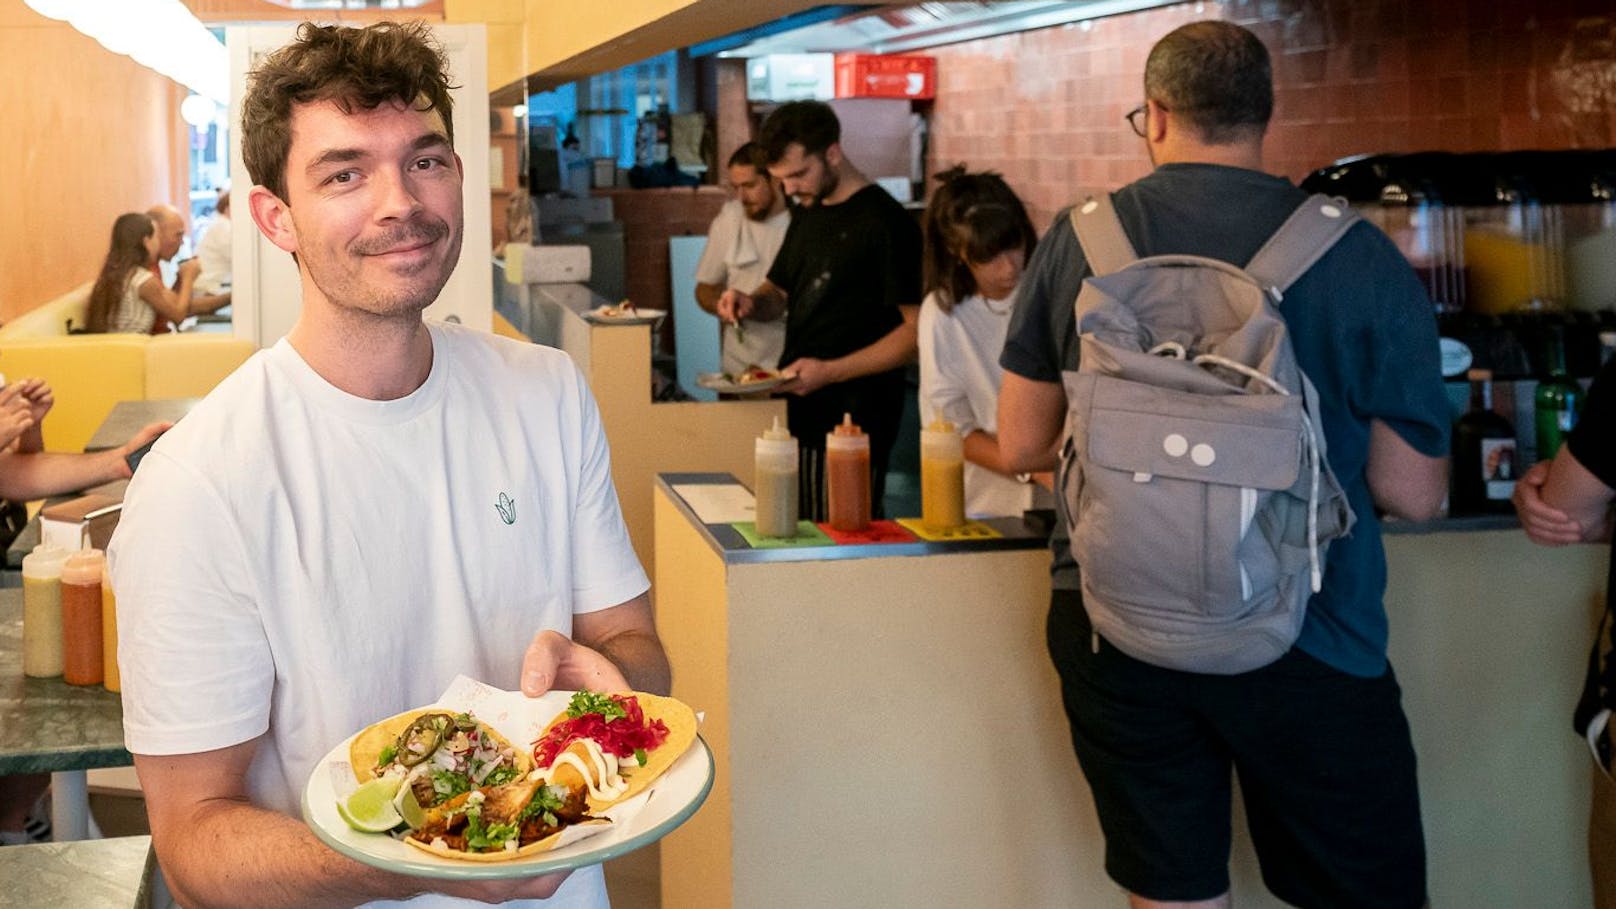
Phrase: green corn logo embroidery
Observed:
(506, 509)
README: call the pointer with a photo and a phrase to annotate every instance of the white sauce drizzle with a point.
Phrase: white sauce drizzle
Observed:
(600, 773)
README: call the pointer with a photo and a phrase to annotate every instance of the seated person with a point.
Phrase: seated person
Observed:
(212, 288)
(128, 296)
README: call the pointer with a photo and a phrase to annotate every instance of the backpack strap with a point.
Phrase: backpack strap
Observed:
(1300, 242)
(1104, 242)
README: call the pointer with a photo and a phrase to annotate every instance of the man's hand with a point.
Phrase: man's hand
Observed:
(1544, 524)
(147, 433)
(735, 305)
(555, 661)
(190, 268)
(496, 892)
(809, 375)
(39, 396)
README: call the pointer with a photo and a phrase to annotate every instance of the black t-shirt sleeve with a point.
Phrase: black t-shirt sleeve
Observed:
(1404, 378)
(1593, 440)
(1043, 315)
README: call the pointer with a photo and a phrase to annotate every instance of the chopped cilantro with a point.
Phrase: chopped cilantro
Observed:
(448, 784)
(545, 800)
(639, 755)
(387, 755)
(493, 837)
(589, 702)
(501, 776)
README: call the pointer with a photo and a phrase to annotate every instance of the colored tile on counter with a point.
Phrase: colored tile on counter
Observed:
(970, 530)
(807, 535)
(877, 532)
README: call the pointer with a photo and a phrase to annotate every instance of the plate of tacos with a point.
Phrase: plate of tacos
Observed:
(436, 792)
(750, 380)
(624, 313)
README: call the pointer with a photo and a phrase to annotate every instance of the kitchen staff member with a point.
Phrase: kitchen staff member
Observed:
(741, 245)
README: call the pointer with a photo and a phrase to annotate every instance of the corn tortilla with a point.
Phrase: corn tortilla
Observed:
(367, 746)
(681, 723)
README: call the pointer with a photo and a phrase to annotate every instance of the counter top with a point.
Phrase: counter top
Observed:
(48, 725)
(1015, 533)
(89, 874)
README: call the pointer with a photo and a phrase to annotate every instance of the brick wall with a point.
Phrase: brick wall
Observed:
(650, 217)
(1045, 107)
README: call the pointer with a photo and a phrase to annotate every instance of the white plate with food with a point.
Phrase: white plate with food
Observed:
(748, 381)
(624, 313)
(477, 807)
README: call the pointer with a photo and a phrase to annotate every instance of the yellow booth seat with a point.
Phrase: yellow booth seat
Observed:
(91, 373)
(52, 318)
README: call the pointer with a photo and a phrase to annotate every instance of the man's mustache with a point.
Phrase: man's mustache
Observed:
(404, 236)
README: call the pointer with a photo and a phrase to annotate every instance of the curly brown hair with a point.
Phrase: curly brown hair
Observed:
(352, 67)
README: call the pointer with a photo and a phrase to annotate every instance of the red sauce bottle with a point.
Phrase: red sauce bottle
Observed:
(847, 476)
(81, 617)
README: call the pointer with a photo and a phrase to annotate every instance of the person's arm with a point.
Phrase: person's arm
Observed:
(765, 304)
(172, 305)
(206, 303)
(612, 649)
(1032, 416)
(25, 476)
(707, 296)
(1563, 502)
(218, 850)
(40, 399)
(894, 349)
(16, 418)
(1403, 481)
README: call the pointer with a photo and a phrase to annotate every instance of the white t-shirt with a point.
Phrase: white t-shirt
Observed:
(213, 251)
(959, 382)
(738, 254)
(295, 559)
(133, 314)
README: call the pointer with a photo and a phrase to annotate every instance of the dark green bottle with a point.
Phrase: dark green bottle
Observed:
(1558, 400)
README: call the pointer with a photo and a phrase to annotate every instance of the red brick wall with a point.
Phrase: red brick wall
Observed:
(650, 217)
(1045, 107)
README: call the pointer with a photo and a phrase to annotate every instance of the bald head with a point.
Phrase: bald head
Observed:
(170, 230)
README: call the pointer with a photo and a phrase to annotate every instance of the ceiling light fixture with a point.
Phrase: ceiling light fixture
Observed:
(162, 35)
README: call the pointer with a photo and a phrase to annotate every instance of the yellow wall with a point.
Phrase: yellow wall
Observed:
(89, 135)
(507, 58)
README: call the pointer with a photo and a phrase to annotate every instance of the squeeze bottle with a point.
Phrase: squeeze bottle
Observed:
(42, 612)
(942, 477)
(775, 482)
(81, 617)
(847, 476)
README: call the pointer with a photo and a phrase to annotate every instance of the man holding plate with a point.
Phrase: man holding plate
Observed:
(363, 511)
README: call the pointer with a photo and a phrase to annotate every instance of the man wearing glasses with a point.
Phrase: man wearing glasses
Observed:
(1318, 737)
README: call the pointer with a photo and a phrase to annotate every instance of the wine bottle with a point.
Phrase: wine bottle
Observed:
(1558, 399)
(1484, 456)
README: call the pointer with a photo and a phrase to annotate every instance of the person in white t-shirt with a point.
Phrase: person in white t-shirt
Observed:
(741, 245)
(213, 251)
(363, 511)
(978, 238)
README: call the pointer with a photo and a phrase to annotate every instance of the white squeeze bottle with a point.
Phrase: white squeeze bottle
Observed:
(775, 482)
(42, 611)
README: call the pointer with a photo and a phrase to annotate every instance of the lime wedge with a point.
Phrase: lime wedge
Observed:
(409, 808)
(370, 807)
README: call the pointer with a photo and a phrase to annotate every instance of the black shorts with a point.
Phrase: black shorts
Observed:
(1325, 763)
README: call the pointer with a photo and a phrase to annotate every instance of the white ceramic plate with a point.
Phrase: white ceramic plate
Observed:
(640, 317)
(715, 381)
(674, 797)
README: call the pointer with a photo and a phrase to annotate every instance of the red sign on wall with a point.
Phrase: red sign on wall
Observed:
(885, 76)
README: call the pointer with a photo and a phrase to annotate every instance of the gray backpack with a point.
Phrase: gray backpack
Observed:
(1198, 497)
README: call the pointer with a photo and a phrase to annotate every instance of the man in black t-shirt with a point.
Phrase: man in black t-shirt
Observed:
(847, 282)
(1568, 500)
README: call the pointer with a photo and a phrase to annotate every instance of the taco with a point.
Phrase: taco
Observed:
(613, 746)
(505, 822)
(438, 754)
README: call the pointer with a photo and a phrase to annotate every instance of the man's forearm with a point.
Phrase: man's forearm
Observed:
(895, 349)
(234, 854)
(707, 296)
(641, 660)
(768, 303)
(28, 476)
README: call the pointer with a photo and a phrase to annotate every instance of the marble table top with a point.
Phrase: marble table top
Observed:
(88, 874)
(128, 417)
(47, 725)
